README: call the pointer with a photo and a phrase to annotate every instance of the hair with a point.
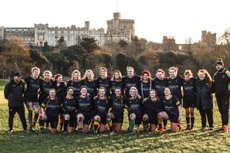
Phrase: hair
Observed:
(160, 70)
(148, 73)
(79, 75)
(47, 71)
(54, 91)
(129, 68)
(69, 88)
(113, 76)
(154, 91)
(105, 69)
(85, 75)
(133, 88)
(35, 68)
(174, 68)
(57, 76)
(188, 73)
(207, 76)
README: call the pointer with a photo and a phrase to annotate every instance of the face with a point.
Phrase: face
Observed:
(133, 93)
(116, 75)
(130, 73)
(152, 94)
(70, 92)
(47, 76)
(83, 91)
(145, 76)
(52, 93)
(219, 67)
(89, 76)
(103, 73)
(17, 78)
(186, 77)
(35, 73)
(101, 92)
(118, 92)
(160, 75)
(167, 92)
(201, 75)
(59, 79)
(75, 76)
(172, 73)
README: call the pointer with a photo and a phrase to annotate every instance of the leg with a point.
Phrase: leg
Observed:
(203, 118)
(42, 119)
(209, 113)
(187, 113)
(162, 116)
(80, 120)
(21, 113)
(30, 114)
(117, 127)
(12, 112)
(96, 123)
(36, 109)
(153, 127)
(174, 127)
(145, 120)
(192, 117)
(66, 122)
(132, 118)
(110, 116)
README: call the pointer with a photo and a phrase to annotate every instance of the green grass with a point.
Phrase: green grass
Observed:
(183, 141)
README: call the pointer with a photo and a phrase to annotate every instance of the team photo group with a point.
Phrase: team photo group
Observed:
(86, 104)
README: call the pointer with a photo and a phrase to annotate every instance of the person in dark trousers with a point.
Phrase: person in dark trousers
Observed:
(189, 98)
(14, 93)
(31, 97)
(204, 99)
(222, 92)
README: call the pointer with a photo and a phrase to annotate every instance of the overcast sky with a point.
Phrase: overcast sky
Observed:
(153, 18)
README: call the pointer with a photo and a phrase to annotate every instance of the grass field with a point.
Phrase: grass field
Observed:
(183, 141)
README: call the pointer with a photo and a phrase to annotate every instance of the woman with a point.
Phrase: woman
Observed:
(84, 109)
(134, 104)
(69, 111)
(116, 82)
(146, 84)
(151, 107)
(49, 112)
(60, 87)
(175, 85)
(159, 84)
(45, 85)
(90, 83)
(31, 96)
(101, 107)
(172, 110)
(116, 115)
(75, 82)
(104, 80)
(204, 99)
(189, 98)
(131, 80)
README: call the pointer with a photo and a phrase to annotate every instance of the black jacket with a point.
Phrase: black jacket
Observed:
(222, 82)
(204, 98)
(14, 93)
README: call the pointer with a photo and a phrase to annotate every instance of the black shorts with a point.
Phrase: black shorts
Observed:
(103, 117)
(118, 117)
(72, 119)
(153, 118)
(53, 120)
(138, 117)
(87, 117)
(173, 116)
(188, 102)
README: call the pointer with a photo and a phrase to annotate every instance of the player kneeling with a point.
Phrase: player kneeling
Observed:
(172, 110)
(151, 107)
(84, 110)
(49, 112)
(102, 105)
(69, 111)
(115, 116)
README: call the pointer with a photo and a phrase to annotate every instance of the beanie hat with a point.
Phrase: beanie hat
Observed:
(220, 61)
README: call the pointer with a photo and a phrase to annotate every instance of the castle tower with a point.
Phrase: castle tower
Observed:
(40, 34)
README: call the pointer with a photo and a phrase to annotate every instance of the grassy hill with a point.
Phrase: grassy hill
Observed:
(183, 141)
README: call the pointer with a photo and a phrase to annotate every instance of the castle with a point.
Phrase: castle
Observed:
(117, 29)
